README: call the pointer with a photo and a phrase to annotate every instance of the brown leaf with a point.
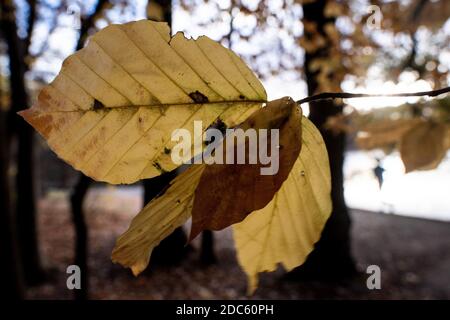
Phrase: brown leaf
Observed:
(423, 146)
(227, 193)
(384, 133)
(447, 137)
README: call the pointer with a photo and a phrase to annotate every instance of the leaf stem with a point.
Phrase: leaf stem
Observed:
(347, 95)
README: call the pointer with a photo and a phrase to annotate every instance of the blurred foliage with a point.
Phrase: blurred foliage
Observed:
(420, 131)
(411, 36)
(271, 36)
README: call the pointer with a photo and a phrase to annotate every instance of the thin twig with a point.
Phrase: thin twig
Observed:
(346, 95)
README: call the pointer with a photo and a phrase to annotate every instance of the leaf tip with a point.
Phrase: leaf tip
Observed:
(252, 284)
(195, 231)
(25, 114)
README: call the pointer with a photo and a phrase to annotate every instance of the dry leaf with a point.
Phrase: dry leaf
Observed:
(294, 218)
(111, 110)
(227, 193)
(447, 137)
(157, 220)
(423, 146)
(383, 133)
(286, 229)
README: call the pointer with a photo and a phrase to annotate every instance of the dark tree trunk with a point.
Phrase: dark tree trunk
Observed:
(88, 22)
(331, 257)
(11, 268)
(81, 234)
(162, 13)
(82, 185)
(207, 255)
(173, 248)
(25, 196)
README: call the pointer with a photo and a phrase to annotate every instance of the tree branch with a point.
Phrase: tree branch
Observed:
(346, 95)
(30, 23)
(88, 22)
(52, 26)
(418, 10)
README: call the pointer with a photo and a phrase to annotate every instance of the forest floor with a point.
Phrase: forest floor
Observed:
(413, 254)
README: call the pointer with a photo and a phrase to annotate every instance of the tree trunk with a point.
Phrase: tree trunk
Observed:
(10, 267)
(160, 10)
(88, 22)
(331, 257)
(173, 248)
(82, 185)
(81, 234)
(207, 255)
(25, 197)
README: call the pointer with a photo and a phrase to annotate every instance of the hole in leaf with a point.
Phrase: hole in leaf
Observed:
(98, 105)
(198, 97)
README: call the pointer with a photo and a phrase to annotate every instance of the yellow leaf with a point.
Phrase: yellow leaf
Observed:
(111, 110)
(286, 229)
(423, 146)
(171, 209)
(157, 220)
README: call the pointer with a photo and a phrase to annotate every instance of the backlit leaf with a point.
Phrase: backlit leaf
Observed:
(227, 193)
(384, 133)
(111, 110)
(157, 220)
(423, 146)
(286, 229)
